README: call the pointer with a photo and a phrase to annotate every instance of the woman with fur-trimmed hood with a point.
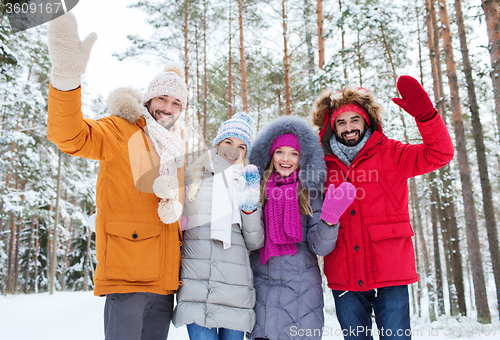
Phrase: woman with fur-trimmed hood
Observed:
(217, 297)
(373, 261)
(298, 227)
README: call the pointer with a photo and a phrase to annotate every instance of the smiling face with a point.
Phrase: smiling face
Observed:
(350, 128)
(285, 160)
(165, 110)
(232, 149)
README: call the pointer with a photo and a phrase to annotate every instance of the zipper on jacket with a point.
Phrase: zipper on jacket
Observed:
(365, 153)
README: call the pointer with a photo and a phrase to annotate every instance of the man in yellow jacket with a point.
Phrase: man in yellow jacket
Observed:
(139, 186)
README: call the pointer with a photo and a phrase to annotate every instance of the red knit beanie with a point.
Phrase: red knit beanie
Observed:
(354, 107)
(287, 139)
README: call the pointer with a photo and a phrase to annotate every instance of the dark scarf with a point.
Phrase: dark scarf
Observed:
(347, 153)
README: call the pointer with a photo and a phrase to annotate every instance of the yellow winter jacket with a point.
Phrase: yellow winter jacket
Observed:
(136, 251)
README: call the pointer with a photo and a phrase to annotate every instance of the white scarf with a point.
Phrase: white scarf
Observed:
(225, 206)
(170, 147)
(168, 144)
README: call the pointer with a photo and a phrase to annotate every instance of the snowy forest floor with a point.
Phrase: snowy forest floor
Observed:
(78, 315)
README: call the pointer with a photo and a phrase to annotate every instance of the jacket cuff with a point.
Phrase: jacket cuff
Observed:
(330, 217)
(65, 83)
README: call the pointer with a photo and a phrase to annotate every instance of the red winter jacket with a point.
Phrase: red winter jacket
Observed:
(374, 247)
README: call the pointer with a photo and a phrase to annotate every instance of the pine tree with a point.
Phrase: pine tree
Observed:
(463, 160)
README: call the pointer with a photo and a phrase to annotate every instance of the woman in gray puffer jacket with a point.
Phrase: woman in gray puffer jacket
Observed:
(299, 226)
(217, 297)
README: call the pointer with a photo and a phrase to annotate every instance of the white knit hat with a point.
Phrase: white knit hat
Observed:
(170, 83)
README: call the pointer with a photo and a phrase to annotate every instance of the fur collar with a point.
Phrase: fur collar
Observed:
(126, 103)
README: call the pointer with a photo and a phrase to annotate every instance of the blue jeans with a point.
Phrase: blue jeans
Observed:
(202, 333)
(392, 313)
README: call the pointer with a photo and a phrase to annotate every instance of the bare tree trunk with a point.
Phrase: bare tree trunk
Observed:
(310, 52)
(28, 257)
(278, 91)
(230, 66)
(243, 69)
(198, 90)
(87, 263)
(435, 239)
(358, 49)
(490, 8)
(49, 239)
(67, 250)
(35, 283)
(16, 257)
(414, 298)
(53, 255)
(449, 226)
(427, 263)
(483, 312)
(418, 265)
(18, 239)
(12, 247)
(205, 80)
(342, 35)
(482, 162)
(286, 61)
(419, 36)
(64, 265)
(186, 66)
(321, 34)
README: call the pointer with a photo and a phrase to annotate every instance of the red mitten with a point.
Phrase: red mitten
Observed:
(414, 100)
(337, 201)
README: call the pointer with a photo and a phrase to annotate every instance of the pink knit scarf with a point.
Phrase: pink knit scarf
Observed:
(281, 216)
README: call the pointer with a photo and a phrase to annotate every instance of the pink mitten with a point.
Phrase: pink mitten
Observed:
(337, 201)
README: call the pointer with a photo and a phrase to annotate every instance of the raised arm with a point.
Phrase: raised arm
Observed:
(437, 147)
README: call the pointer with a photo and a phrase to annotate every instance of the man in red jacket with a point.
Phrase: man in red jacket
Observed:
(373, 261)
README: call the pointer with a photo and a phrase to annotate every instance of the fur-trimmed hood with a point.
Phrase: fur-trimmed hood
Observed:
(126, 103)
(311, 163)
(330, 99)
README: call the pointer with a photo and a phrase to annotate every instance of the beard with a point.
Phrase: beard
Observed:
(351, 142)
(166, 124)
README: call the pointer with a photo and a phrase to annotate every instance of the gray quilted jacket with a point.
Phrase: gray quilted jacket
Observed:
(289, 291)
(217, 289)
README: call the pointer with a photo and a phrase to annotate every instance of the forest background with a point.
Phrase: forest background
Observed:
(268, 58)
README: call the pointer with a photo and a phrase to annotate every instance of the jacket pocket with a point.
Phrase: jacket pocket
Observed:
(133, 251)
(392, 256)
(336, 269)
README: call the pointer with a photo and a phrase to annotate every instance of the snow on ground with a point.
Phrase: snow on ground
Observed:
(78, 316)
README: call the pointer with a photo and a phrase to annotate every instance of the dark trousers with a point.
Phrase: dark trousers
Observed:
(392, 313)
(137, 316)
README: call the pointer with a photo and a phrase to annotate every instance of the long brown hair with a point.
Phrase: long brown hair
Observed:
(303, 195)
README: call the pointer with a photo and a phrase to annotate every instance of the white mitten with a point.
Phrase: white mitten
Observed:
(68, 54)
(166, 187)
